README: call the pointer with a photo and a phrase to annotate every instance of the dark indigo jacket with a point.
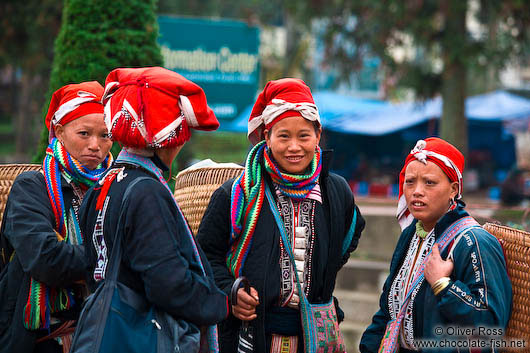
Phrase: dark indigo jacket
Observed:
(479, 294)
(28, 230)
(158, 257)
(332, 221)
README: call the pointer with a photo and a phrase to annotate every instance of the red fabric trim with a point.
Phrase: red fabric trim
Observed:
(449, 247)
(287, 114)
(105, 189)
(442, 147)
(227, 308)
(154, 94)
(122, 131)
(82, 110)
(69, 92)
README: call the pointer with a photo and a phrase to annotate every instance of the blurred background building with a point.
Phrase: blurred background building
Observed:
(379, 80)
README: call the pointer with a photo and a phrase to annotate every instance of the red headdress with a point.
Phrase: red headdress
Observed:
(280, 99)
(73, 101)
(444, 155)
(154, 107)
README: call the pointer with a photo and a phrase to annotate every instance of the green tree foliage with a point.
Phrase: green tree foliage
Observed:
(426, 45)
(98, 36)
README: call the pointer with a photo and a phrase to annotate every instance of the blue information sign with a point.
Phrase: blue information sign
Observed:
(219, 55)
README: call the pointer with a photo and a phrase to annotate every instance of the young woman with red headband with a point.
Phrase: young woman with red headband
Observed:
(288, 172)
(447, 273)
(42, 247)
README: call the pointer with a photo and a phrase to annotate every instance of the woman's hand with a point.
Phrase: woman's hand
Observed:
(246, 304)
(436, 267)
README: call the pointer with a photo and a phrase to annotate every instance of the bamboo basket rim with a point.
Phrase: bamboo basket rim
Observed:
(211, 168)
(5, 166)
(516, 248)
(194, 188)
(509, 234)
(205, 175)
(8, 173)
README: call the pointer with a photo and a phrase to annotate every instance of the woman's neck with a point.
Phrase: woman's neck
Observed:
(168, 155)
(428, 227)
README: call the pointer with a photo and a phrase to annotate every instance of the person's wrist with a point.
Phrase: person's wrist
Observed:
(440, 285)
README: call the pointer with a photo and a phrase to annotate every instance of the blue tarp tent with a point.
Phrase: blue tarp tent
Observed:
(383, 132)
(389, 132)
(490, 107)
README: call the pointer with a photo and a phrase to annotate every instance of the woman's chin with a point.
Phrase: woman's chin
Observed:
(420, 215)
(90, 164)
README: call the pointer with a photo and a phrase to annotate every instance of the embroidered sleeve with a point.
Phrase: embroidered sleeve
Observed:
(479, 292)
(354, 229)
(354, 223)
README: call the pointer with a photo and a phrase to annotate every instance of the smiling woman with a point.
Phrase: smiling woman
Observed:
(293, 142)
(317, 211)
(41, 232)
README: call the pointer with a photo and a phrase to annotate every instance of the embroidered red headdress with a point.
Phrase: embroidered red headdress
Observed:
(73, 101)
(154, 107)
(444, 155)
(280, 99)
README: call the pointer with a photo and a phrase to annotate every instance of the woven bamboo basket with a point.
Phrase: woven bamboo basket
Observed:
(8, 174)
(194, 188)
(516, 244)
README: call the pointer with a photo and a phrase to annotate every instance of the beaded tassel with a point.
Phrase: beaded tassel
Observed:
(422, 233)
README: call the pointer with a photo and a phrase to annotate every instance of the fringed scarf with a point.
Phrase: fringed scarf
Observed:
(295, 186)
(248, 193)
(42, 299)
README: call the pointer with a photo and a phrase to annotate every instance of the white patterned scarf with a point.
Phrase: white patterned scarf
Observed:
(416, 254)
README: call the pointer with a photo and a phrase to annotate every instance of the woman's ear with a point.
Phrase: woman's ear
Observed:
(59, 132)
(319, 134)
(454, 189)
(267, 135)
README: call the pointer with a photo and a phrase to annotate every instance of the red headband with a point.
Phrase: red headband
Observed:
(72, 102)
(444, 155)
(280, 99)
